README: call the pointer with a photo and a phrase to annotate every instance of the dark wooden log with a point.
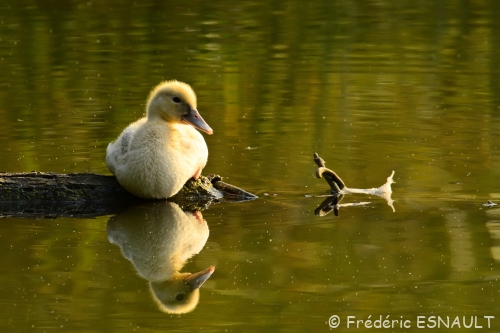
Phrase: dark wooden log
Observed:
(49, 195)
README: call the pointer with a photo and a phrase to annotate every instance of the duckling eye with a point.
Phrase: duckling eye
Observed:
(176, 99)
(179, 297)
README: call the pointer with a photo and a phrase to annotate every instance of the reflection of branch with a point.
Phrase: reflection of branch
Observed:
(328, 204)
(333, 203)
(338, 189)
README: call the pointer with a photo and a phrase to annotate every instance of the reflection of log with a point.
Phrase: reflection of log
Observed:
(37, 194)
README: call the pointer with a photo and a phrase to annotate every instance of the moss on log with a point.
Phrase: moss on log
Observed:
(42, 195)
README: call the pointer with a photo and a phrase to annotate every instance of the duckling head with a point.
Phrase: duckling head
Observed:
(181, 293)
(175, 101)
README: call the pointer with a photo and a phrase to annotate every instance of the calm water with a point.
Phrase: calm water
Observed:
(370, 85)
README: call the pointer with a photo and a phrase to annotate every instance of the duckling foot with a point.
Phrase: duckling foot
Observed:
(197, 174)
(199, 217)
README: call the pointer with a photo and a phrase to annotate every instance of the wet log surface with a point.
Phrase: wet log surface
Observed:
(49, 195)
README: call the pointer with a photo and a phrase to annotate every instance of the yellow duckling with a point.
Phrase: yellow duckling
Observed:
(155, 156)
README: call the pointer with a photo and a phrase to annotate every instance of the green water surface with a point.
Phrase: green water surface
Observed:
(372, 86)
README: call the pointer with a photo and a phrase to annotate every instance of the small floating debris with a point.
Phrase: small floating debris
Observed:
(490, 204)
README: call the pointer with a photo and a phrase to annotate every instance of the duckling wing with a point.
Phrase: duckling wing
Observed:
(126, 138)
(117, 151)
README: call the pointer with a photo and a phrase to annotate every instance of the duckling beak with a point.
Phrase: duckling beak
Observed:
(195, 280)
(194, 118)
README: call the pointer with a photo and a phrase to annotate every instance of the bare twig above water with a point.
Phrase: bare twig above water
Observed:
(338, 190)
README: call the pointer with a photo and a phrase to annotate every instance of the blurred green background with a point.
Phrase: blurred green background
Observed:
(372, 86)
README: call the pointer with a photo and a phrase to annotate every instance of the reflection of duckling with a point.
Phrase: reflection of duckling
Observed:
(158, 238)
(155, 156)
